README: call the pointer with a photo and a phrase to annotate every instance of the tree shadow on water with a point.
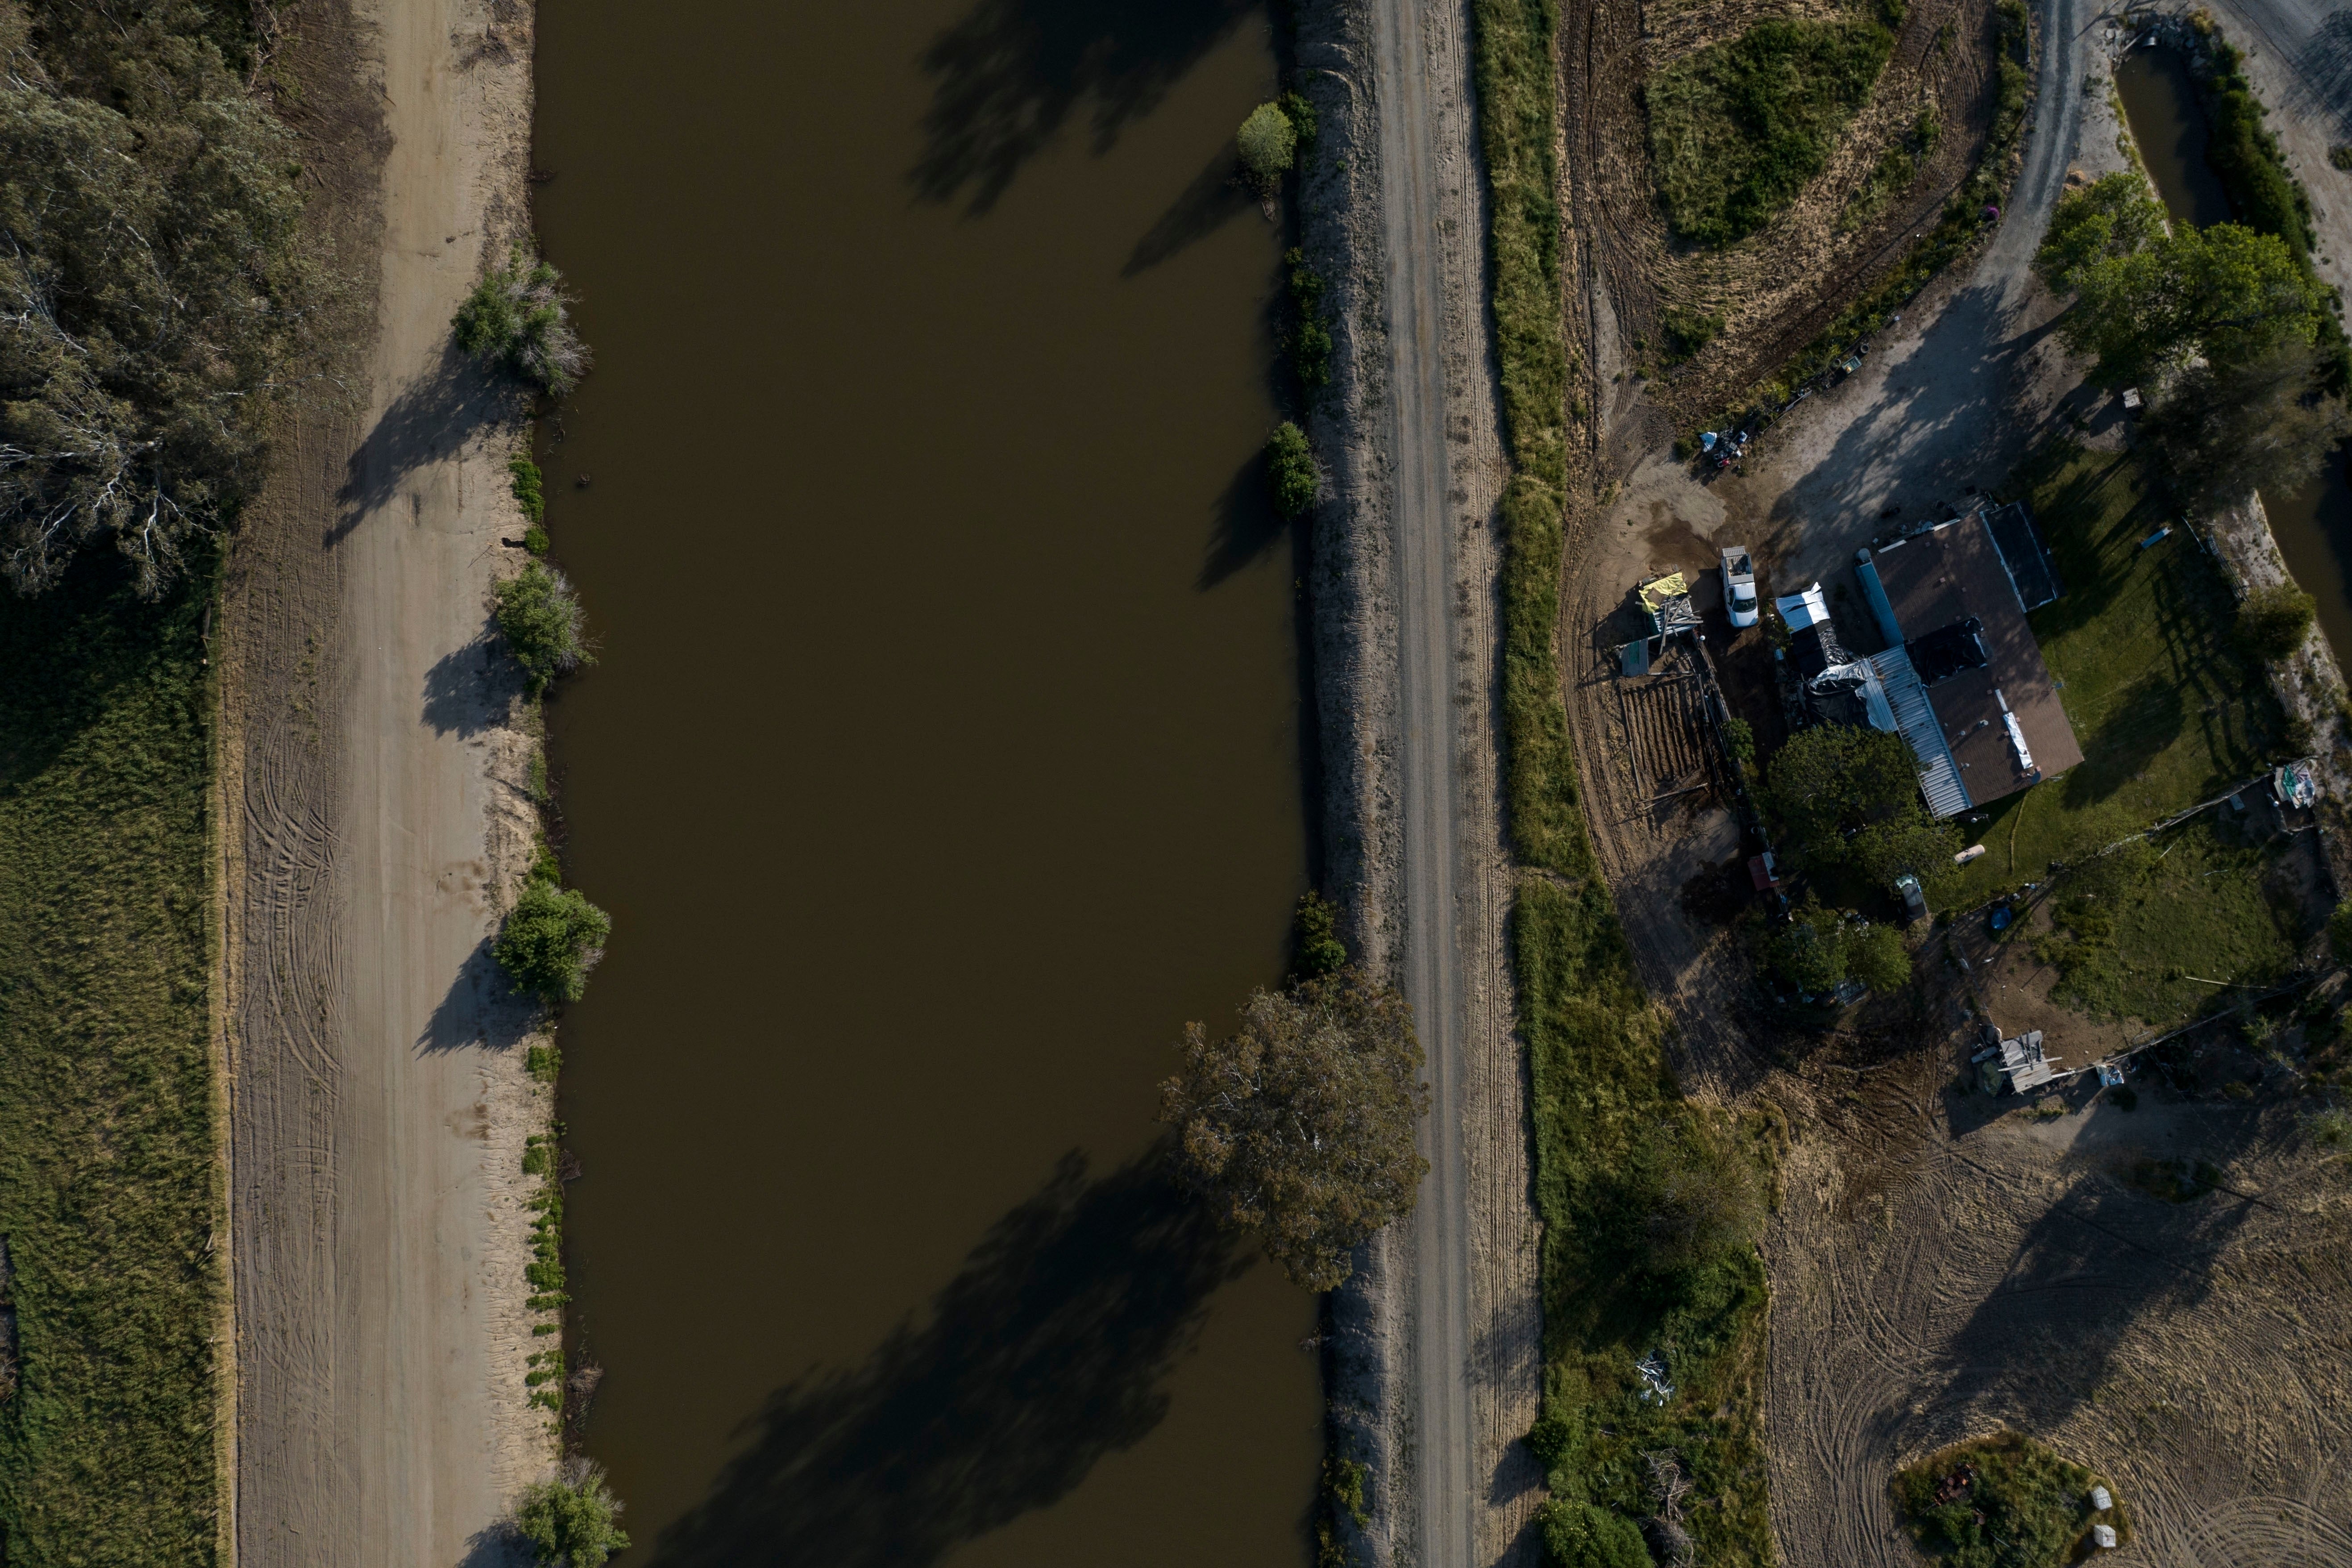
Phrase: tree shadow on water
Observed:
(1007, 77)
(1215, 197)
(1047, 1352)
(1248, 528)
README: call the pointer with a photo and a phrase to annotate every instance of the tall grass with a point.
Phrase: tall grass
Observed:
(1737, 128)
(1515, 101)
(109, 1195)
(1604, 1102)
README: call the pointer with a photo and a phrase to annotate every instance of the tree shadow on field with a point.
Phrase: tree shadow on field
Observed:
(1248, 528)
(2098, 1261)
(1007, 77)
(2141, 725)
(432, 418)
(1217, 196)
(1046, 1353)
(2324, 66)
(482, 1007)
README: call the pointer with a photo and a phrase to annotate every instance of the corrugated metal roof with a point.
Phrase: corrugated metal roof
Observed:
(1939, 774)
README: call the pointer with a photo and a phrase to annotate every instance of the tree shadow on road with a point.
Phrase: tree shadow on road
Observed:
(480, 1008)
(1010, 75)
(1047, 1352)
(431, 419)
(470, 689)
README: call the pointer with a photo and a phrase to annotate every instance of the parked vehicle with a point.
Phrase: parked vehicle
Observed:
(1739, 585)
(1915, 902)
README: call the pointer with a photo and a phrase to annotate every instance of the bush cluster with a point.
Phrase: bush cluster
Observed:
(572, 1521)
(519, 320)
(1290, 473)
(551, 940)
(2274, 620)
(1314, 936)
(538, 614)
(1269, 144)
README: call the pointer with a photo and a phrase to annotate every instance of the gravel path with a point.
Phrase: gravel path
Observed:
(378, 1107)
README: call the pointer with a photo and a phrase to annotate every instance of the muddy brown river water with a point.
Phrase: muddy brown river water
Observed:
(2312, 523)
(942, 760)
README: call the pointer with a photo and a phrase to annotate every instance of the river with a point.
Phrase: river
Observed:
(2313, 523)
(942, 760)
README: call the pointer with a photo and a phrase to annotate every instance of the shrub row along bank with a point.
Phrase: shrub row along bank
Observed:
(1649, 1203)
(2262, 193)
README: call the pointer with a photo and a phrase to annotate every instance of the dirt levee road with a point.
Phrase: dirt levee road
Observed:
(1472, 1373)
(378, 1105)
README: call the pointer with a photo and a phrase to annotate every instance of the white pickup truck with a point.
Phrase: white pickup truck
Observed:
(1739, 585)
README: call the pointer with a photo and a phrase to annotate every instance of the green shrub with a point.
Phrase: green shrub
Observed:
(529, 487)
(551, 940)
(1301, 114)
(518, 319)
(1737, 128)
(1687, 332)
(1269, 144)
(2274, 620)
(572, 1521)
(1578, 1535)
(539, 617)
(2023, 1507)
(1741, 737)
(2339, 933)
(1875, 956)
(535, 540)
(1310, 338)
(1314, 937)
(1290, 471)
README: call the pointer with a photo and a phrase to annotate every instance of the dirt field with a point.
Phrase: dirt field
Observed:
(378, 1109)
(1935, 1279)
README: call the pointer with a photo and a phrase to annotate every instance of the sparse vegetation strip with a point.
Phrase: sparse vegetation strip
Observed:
(1650, 1203)
(2005, 1501)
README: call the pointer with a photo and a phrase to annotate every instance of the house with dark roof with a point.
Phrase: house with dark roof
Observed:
(1961, 677)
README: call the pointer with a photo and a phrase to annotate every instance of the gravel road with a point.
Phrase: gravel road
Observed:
(1472, 1365)
(378, 1106)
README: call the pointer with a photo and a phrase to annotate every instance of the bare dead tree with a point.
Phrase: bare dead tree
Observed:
(1668, 1487)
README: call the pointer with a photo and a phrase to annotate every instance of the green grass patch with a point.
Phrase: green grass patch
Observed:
(1737, 128)
(1623, 1162)
(1514, 68)
(2004, 1501)
(1895, 169)
(2169, 712)
(109, 1199)
(1608, 1122)
(2179, 939)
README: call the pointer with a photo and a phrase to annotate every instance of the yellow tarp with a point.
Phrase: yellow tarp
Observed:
(1655, 594)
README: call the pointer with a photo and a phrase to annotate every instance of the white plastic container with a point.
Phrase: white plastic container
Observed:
(2104, 1536)
(2100, 1499)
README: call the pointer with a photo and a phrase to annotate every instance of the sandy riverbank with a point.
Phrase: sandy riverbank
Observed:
(374, 769)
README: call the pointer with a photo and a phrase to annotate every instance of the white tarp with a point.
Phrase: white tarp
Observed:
(1802, 610)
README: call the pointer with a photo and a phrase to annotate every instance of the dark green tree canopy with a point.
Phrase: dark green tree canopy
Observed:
(150, 285)
(1299, 1126)
(572, 1521)
(1849, 796)
(2147, 302)
(552, 939)
(2219, 431)
(540, 616)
